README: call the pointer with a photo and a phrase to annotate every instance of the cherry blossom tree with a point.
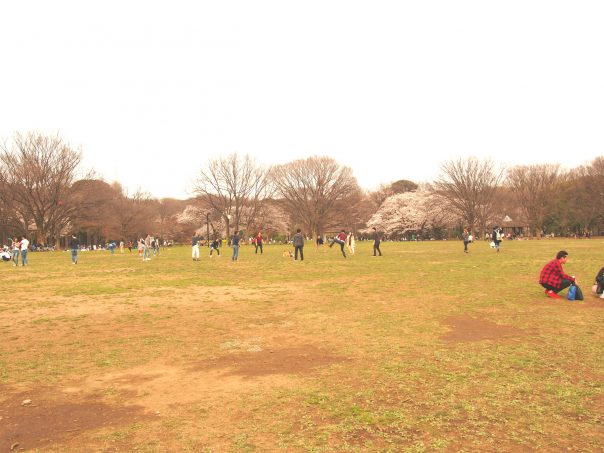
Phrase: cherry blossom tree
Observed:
(414, 211)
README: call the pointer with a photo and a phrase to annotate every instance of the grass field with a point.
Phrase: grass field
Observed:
(423, 349)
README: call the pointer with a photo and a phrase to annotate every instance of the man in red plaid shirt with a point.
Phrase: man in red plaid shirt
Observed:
(553, 278)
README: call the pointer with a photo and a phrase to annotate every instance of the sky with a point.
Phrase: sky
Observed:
(152, 91)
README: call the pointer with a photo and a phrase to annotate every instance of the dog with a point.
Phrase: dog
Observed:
(288, 254)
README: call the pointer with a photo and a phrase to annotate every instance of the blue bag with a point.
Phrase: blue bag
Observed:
(572, 292)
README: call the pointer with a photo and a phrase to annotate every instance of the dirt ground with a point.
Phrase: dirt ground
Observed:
(79, 407)
(362, 364)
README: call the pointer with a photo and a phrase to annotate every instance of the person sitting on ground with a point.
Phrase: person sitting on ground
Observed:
(553, 278)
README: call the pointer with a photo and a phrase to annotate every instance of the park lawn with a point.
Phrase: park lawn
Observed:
(423, 349)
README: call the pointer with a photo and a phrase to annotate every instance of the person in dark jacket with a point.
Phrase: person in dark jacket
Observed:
(298, 241)
(600, 283)
(74, 245)
(215, 246)
(235, 244)
(376, 242)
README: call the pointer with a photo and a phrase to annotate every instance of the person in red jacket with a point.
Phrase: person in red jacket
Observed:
(340, 239)
(553, 278)
(258, 243)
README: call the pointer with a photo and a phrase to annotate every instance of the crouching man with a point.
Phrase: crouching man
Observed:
(553, 278)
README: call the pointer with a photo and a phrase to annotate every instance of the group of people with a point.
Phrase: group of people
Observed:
(197, 242)
(496, 238)
(148, 245)
(298, 240)
(18, 248)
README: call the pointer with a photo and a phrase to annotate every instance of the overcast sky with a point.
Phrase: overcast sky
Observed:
(151, 91)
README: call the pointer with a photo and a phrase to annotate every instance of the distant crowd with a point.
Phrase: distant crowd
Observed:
(552, 276)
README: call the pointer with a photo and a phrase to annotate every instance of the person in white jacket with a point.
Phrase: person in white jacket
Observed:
(351, 243)
(24, 248)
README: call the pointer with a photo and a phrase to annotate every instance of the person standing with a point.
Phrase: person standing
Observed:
(24, 247)
(376, 242)
(147, 248)
(74, 245)
(341, 240)
(16, 250)
(235, 244)
(466, 239)
(259, 243)
(195, 248)
(553, 278)
(497, 237)
(298, 241)
(351, 243)
(122, 246)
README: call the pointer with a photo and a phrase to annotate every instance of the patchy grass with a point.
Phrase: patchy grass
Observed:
(423, 349)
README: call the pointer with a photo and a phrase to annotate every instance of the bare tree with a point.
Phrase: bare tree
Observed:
(133, 215)
(234, 187)
(36, 175)
(535, 187)
(578, 203)
(315, 191)
(166, 211)
(379, 195)
(468, 186)
(94, 215)
(403, 185)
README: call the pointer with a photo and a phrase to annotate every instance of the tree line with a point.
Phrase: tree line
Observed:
(46, 195)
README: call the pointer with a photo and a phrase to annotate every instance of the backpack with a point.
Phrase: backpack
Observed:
(574, 293)
(578, 293)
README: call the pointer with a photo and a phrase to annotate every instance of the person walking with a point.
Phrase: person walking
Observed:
(376, 242)
(341, 240)
(24, 248)
(259, 243)
(74, 245)
(351, 242)
(553, 278)
(195, 248)
(466, 239)
(235, 244)
(298, 242)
